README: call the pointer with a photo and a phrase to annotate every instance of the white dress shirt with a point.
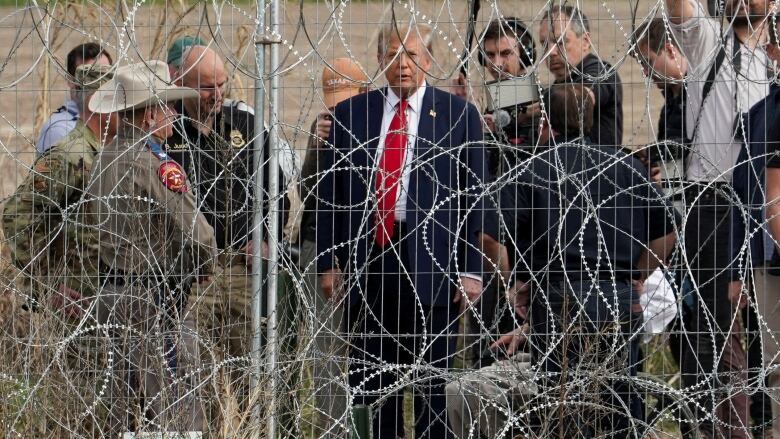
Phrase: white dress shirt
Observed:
(412, 122)
(413, 109)
(715, 148)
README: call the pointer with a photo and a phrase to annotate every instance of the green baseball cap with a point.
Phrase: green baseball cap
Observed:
(176, 50)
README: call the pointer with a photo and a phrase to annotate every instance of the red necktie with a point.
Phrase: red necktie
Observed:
(389, 174)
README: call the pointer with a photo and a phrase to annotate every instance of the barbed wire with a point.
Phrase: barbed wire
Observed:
(127, 302)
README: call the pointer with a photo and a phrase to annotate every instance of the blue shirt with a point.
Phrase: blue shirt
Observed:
(749, 217)
(57, 126)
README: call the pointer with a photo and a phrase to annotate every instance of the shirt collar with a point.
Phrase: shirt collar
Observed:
(414, 101)
(71, 105)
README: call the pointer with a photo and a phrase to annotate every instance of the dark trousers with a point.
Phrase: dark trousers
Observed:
(395, 341)
(760, 401)
(709, 336)
(583, 339)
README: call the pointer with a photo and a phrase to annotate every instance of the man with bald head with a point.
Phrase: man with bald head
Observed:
(214, 143)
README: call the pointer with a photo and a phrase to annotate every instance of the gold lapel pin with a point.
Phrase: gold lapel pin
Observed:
(432, 113)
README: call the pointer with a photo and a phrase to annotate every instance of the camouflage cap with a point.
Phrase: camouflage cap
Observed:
(176, 51)
(92, 76)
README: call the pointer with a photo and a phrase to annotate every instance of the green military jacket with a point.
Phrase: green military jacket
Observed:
(47, 221)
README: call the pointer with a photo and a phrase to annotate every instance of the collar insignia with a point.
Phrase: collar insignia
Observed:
(156, 150)
(237, 139)
(172, 176)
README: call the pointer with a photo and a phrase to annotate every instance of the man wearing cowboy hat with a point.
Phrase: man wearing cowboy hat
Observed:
(53, 243)
(154, 245)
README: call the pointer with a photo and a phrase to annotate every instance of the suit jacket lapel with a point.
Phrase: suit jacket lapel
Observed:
(376, 110)
(425, 140)
(427, 121)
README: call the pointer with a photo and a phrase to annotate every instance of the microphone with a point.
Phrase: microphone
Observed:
(501, 119)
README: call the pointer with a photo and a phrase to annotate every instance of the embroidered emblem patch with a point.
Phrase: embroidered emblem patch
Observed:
(237, 139)
(172, 176)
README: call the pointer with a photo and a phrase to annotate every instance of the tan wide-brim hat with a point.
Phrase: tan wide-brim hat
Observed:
(342, 80)
(137, 86)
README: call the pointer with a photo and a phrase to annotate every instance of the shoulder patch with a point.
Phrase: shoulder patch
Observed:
(172, 176)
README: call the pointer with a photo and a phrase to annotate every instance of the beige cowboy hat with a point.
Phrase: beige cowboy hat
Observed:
(137, 86)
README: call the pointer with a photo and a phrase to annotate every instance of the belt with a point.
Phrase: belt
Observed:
(716, 188)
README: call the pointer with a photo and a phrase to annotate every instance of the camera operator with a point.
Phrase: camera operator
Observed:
(506, 51)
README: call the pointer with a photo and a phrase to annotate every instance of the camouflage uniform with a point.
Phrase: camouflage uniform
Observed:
(156, 243)
(46, 221)
(52, 238)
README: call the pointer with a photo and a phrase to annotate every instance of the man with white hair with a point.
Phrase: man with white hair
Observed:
(154, 245)
(398, 196)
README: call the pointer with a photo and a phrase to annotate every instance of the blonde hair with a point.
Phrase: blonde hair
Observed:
(401, 31)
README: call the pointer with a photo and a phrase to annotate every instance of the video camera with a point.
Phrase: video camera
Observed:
(509, 94)
(505, 100)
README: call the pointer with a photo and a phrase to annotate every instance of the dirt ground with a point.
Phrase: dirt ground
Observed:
(32, 83)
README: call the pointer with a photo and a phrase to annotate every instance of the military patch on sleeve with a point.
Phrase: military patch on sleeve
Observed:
(42, 166)
(237, 139)
(42, 172)
(172, 176)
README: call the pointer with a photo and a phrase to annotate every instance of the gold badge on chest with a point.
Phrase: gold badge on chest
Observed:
(237, 139)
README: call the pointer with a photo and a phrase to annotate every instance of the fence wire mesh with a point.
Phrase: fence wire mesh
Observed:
(471, 219)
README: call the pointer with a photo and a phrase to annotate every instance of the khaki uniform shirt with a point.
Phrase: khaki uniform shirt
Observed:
(149, 221)
(47, 221)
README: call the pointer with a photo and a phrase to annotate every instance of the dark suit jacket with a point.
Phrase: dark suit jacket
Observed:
(444, 207)
(748, 179)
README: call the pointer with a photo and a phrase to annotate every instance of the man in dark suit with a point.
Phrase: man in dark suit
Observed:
(398, 223)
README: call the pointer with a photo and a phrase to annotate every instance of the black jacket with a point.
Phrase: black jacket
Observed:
(221, 167)
(581, 209)
(608, 89)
